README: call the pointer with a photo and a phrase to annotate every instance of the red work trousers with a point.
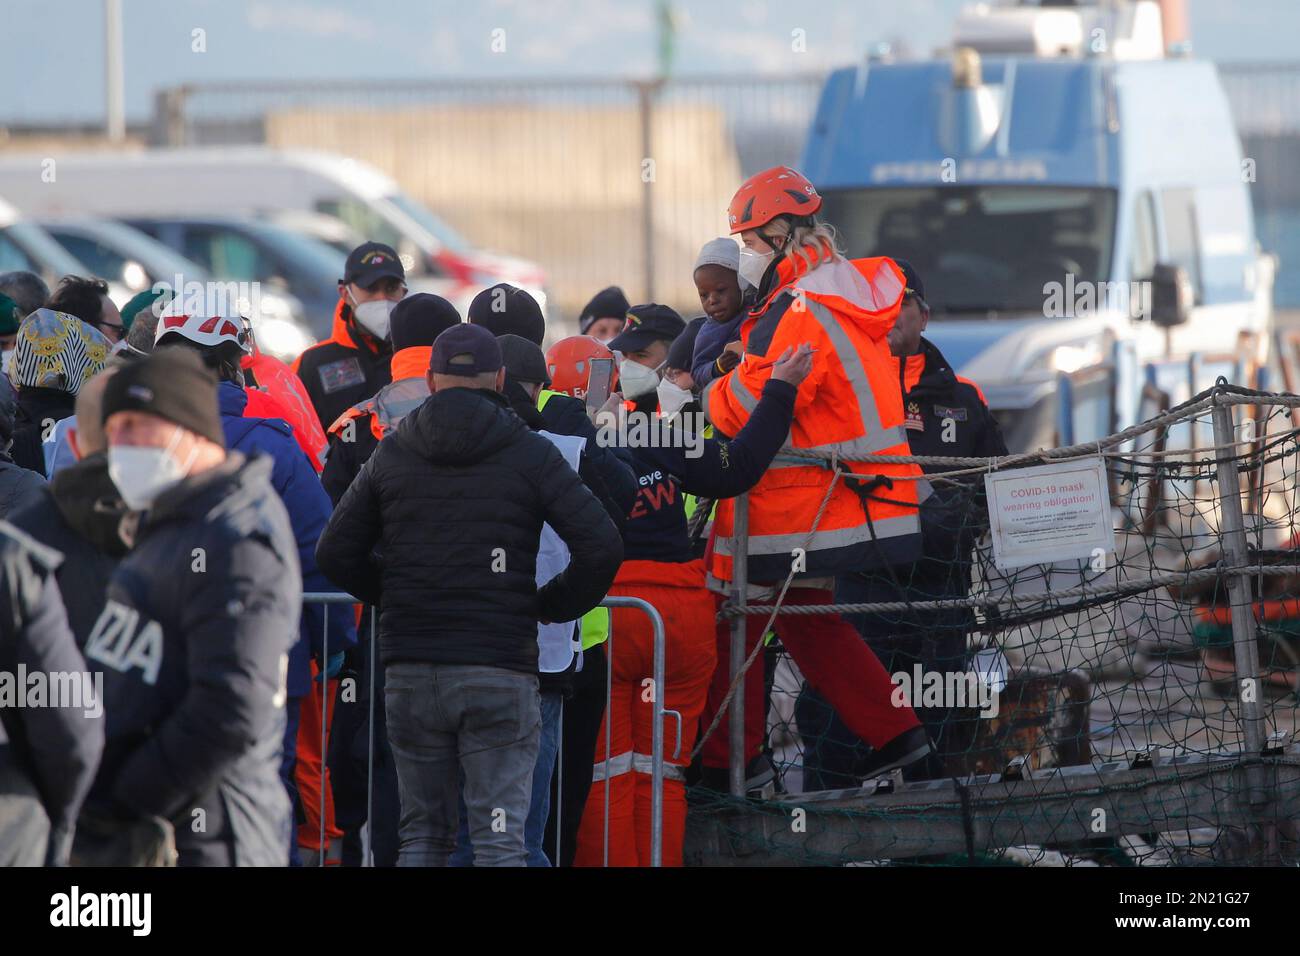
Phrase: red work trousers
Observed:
(833, 658)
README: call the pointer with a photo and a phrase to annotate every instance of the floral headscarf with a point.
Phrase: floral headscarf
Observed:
(57, 350)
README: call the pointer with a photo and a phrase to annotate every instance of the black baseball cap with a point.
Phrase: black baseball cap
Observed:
(370, 262)
(465, 350)
(645, 324)
(524, 360)
(914, 284)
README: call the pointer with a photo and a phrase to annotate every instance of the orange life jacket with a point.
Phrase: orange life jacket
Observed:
(280, 394)
(850, 404)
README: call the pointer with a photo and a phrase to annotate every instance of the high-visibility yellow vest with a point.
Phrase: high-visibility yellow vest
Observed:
(594, 625)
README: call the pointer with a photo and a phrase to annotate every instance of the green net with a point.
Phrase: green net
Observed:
(1086, 712)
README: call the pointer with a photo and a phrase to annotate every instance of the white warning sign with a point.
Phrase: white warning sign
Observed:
(1048, 513)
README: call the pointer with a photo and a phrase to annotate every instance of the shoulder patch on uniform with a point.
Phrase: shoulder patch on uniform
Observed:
(344, 373)
(914, 420)
(956, 414)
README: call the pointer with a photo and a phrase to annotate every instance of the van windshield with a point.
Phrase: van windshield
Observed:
(981, 249)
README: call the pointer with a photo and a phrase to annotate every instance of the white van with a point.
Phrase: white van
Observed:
(263, 182)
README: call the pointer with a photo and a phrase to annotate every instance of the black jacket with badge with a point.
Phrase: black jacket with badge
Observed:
(80, 514)
(344, 370)
(194, 643)
(946, 416)
(441, 529)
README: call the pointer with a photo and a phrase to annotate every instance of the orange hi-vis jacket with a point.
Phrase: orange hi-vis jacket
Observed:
(850, 405)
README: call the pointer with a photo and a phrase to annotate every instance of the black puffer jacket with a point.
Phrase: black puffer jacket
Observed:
(453, 503)
(80, 514)
(38, 410)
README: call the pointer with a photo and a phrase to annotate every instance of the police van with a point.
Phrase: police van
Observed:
(1076, 203)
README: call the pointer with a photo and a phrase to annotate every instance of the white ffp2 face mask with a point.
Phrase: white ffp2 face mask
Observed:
(635, 379)
(6, 357)
(143, 472)
(672, 397)
(374, 316)
(753, 265)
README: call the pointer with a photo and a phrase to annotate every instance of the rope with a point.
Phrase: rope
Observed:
(1121, 591)
(775, 609)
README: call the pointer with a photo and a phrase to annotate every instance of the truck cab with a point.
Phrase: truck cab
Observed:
(1073, 199)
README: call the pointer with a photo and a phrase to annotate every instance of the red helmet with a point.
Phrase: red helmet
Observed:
(771, 193)
(568, 363)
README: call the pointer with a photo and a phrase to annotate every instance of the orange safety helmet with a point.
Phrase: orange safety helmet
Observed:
(771, 193)
(568, 364)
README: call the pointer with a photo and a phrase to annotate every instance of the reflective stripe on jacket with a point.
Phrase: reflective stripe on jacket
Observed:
(849, 405)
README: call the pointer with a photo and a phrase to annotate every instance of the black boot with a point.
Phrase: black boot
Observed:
(904, 750)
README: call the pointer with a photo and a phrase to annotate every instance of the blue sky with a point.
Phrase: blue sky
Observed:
(52, 67)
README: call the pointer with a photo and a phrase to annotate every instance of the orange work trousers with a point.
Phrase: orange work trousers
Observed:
(677, 591)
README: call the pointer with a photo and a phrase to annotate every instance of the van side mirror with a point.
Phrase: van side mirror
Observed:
(1171, 295)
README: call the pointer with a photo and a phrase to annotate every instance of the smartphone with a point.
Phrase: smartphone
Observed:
(602, 373)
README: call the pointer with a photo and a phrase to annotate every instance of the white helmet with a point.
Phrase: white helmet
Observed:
(204, 331)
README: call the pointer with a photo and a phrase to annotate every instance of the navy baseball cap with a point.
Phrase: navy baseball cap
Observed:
(914, 284)
(465, 350)
(370, 262)
(646, 324)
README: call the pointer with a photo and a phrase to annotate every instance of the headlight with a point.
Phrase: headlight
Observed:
(284, 339)
(1071, 358)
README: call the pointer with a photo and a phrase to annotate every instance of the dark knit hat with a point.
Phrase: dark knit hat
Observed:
(419, 318)
(524, 360)
(10, 316)
(609, 303)
(144, 302)
(683, 347)
(172, 383)
(504, 309)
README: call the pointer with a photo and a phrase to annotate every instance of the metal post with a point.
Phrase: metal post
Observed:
(366, 858)
(739, 587)
(114, 110)
(558, 809)
(645, 105)
(1245, 650)
(657, 745)
(657, 729)
(324, 725)
(609, 724)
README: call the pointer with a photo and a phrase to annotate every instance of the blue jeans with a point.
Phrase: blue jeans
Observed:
(451, 722)
(539, 807)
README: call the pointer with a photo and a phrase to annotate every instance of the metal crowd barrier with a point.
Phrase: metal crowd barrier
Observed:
(657, 734)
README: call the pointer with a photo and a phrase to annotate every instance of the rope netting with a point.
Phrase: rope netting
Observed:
(1089, 711)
